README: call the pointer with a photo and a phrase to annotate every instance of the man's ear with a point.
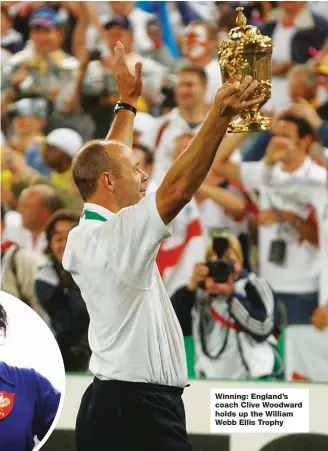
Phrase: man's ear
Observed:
(107, 180)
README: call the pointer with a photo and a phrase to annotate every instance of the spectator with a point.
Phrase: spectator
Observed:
(19, 268)
(145, 158)
(120, 29)
(288, 254)
(61, 298)
(188, 116)
(42, 68)
(302, 84)
(60, 146)
(199, 43)
(158, 51)
(35, 204)
(138, 19)
(230, 312)
(29, 118)
(220, 205)
(11, 40)
(294, 30)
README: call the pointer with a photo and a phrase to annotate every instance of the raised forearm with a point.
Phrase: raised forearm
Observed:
(231, 203)
(307, 230)
(122, 128)
(190, 169)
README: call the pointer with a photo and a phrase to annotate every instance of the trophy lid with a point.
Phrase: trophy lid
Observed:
(246, 35)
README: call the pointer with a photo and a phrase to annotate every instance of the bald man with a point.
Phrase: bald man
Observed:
(138, 357)
(36, 205)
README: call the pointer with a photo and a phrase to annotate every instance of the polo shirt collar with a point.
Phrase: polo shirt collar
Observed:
(94, 208)
(4, 375)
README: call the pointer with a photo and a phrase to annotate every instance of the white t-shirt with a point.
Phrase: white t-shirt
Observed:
(214, 80)
(314, 190)
(300, 272)
(134, 333)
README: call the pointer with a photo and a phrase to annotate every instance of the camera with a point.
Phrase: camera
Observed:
(220, 270)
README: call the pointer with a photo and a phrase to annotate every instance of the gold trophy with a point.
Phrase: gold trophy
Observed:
(247, 52)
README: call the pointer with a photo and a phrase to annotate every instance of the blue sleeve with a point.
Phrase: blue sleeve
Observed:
(323, 133)
(255, 150)
(46, 406)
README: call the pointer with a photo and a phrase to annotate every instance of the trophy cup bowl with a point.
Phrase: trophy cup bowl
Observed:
(247, 52)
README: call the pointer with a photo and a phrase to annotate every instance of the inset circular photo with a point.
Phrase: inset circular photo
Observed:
(32, 377)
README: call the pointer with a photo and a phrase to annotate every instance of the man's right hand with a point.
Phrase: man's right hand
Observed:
(199, 274)
(129, 85)
(277, 150)
(231, 99)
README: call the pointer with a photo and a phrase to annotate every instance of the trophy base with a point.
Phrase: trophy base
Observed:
(250, 122)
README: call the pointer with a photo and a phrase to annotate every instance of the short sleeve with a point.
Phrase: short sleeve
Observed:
(131, 239)
(251, 174)
(46, 407)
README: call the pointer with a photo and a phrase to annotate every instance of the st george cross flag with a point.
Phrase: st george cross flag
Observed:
(180, 252)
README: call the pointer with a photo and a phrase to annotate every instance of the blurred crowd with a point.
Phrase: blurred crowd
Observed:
(58, 91)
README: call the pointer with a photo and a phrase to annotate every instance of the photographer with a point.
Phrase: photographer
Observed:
(231, 314)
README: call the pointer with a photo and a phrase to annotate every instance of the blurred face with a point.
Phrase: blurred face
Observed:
(291, 7)
(154, 31)
(53, 156)
(34, 214)
(121, 8)
(294, 144)
(143, 166)
(195, 43)
(115, 34)
(180, 145)
(189, 90)
(323, 80)
(59, 238)
(46, 40)
(28, 125)
(131, 185)
(299, 88)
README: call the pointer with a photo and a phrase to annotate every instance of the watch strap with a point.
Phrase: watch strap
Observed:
(125, 106)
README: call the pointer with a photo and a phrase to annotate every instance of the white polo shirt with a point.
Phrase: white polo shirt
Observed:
(134, 333)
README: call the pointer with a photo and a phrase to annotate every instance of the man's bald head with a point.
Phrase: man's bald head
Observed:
(95, 158)
(36, 204)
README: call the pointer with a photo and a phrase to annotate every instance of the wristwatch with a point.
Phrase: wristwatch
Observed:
(124, 106)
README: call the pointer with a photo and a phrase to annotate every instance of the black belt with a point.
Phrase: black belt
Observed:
(139, 386)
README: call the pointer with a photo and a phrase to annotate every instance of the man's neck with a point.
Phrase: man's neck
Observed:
(194, 114)
(105, 202)
(202, 61)
(292, 167)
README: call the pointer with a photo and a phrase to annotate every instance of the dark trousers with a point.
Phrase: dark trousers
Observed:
(299, 306)
(131, 416)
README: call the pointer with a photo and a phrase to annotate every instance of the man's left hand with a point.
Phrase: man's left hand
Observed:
(128, 84)
(320, 317)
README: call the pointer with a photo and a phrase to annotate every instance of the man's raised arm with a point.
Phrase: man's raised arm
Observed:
(129, 86)
(190, 169)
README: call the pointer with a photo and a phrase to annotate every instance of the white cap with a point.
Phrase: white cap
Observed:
(66, 140)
